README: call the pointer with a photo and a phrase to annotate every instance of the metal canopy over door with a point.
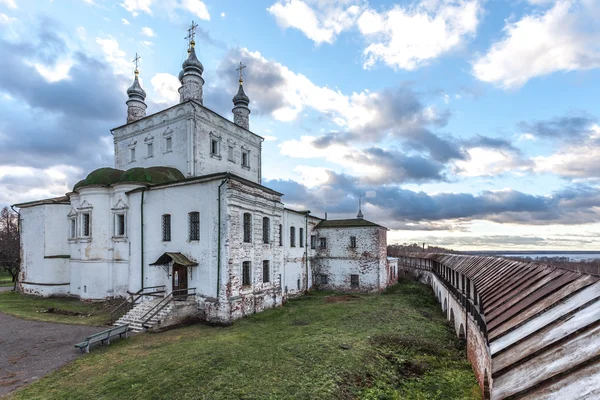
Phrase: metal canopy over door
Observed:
(180, 280)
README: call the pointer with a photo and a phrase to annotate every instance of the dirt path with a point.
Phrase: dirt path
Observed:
(31, 349)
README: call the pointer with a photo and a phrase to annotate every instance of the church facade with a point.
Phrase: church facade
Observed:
(184, 208)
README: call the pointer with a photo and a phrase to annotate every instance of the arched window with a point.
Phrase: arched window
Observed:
(166, 227)
(266, 230)
(194, 225)
(247, 227)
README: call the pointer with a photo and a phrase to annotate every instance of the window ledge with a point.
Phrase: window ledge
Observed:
(72, 240)
(218, 157)
(167, 151)
(246, 167)
(119, 238)
(86, 239)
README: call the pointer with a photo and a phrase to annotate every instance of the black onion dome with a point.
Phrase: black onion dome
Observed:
(241, 97)
(192, 63)
(136, 89)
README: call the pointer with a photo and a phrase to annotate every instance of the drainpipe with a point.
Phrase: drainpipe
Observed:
(19, 230)
(306, 246)
(142, 236)
(219, 238)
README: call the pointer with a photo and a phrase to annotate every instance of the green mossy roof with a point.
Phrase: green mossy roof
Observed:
(110, 176)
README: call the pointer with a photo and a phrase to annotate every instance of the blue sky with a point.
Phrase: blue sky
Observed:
(470, 124)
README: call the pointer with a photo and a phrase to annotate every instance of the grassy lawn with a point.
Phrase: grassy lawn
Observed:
(391, 346)
(5, 279)
(31, 307)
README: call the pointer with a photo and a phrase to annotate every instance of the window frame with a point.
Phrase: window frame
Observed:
(86, 224)
(313, 242)
(132, 154)
(149, 150)
(352, 242)
(168, 144)
(292, 236)
(245, 158)
(117, 224)
(322, 243)
(246, 273)
(354, 281)
(266, 230)
(166, 227)
(73, 228)
(301, 237)
(247, 227)
(266, 271)
(193, 226)
(280, 234)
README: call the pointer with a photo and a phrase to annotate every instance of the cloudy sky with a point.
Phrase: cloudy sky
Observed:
(471, 124)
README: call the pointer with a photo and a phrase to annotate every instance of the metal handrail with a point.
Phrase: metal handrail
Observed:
(133, 297)
(164, 302)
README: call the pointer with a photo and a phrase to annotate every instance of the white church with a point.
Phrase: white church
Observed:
(183, 209)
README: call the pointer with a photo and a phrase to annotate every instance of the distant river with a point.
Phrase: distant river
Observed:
(571, 256)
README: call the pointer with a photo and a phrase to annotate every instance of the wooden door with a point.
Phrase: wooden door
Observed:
(180, 280)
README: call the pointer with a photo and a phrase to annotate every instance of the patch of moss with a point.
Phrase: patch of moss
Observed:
(151, 175)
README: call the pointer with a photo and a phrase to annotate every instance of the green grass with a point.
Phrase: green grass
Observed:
(400, 347)
(5, 279)
(33, 307)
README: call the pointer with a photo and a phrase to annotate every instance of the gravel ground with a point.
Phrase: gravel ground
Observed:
(31, 349)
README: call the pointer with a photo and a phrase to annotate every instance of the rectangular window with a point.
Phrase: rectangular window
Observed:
(245, 158)
(166, 228)
(292, 236)
(230, 153)
(194, 225)
(266, 229)
(280, 235)
(214, 147)
(246, 273)
(353, 242)
(247, 227)
(323, 279)
(73, 228)
(301, 237)
(120, 225)
(169, 144)
(298, 284)
(150, 150)
(85, 225)
(266, 271)
(132, 154)
(313, 241)
(323, 243)
(354, 281)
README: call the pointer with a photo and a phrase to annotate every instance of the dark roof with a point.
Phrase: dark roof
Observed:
(55, 200)
(151, 176)
(177, 258)
(347, 223)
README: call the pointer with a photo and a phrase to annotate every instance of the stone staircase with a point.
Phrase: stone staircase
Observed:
(133, 317)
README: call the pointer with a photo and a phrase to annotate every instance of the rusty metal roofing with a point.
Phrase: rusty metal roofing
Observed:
(177, 258)
(347, 223)
(543, 324)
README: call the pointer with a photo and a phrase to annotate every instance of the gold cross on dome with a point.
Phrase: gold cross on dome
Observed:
(191, 35)
(136, 60)
(241, 70)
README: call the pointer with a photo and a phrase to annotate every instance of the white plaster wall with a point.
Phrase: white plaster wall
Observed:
(178, 201)
(338, 261)
(42, 229)
(295, 258)
(191, 127)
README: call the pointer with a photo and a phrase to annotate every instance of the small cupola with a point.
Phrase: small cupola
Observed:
(136, 107)
(241, 112)
(191, 73)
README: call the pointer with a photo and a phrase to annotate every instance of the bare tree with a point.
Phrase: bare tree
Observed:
(10, 259)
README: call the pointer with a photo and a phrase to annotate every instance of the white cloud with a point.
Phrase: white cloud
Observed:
(223, 15)
(490, 162)
(5, 19)
(166, 86)
(563, 38)
(147, 43)
(574, 161)
(269, 138)
(526, 136)
(322, 23)
(124, 21)
(133, 6)
(408, 37)
(196, 7)
(114, 55)
(146, 31)
(9, 3)
(54, 73)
